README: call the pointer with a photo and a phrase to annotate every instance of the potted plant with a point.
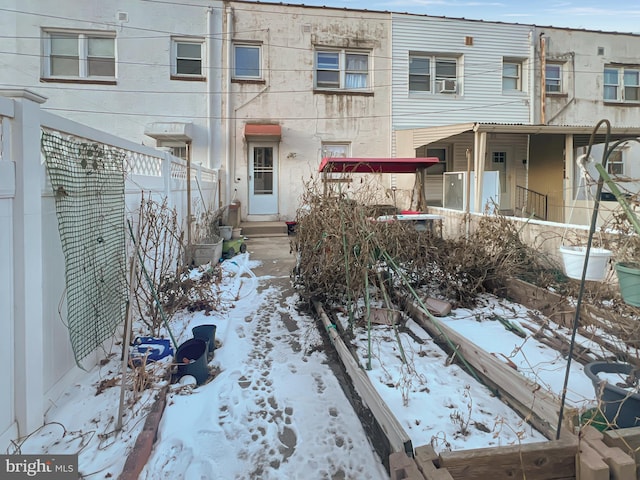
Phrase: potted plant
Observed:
(628, 259)
(573, 257)
(207, 245)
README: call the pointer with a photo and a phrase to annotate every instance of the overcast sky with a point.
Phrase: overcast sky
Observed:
(613, 15)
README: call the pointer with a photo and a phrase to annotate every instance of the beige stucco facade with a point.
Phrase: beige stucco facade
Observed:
(286, 94)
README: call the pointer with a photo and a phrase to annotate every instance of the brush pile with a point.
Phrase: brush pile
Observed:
(342, 249)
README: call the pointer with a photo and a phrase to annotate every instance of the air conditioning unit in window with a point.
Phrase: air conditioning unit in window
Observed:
(446, 86)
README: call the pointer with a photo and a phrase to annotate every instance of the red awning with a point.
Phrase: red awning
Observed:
(376, 165)
(262, 130)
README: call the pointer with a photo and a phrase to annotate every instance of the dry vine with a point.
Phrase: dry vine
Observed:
(340, 243)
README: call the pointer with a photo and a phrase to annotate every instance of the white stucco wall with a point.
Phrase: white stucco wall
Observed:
(581, 102)
(144, 92)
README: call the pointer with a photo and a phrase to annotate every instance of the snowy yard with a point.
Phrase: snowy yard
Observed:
(275, 408)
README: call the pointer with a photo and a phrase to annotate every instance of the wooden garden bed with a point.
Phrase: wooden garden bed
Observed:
(586, 456)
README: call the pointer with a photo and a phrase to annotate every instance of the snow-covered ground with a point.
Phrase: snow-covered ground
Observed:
(275, 410)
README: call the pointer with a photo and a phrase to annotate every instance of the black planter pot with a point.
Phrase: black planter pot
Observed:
(620, 407)
(191, 358)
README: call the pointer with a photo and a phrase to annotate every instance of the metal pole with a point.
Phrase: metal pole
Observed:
(592, 229)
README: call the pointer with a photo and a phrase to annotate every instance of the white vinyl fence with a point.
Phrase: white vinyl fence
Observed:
(35, 341)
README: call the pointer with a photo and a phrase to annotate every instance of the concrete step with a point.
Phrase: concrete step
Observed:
(264, 229)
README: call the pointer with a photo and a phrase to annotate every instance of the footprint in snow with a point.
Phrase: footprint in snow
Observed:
(202, 469)
(175, 457)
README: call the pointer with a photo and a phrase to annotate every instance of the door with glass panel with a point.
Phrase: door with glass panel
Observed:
(263, 179)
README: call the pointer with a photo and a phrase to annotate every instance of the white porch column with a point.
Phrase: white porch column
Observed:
(28, 270)
(479, 153)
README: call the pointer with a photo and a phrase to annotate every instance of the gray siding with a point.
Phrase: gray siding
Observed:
(480, 97)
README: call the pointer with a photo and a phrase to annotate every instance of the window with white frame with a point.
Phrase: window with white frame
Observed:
(342, 70)
(247, 61)
(176, 148)
(419, 73)
(335, 150)
(431, 73)
(553, 78)
(622, 84)
(187, 59)
(511, 75)
(615, 162)
(85, 55)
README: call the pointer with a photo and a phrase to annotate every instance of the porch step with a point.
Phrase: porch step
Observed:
(264, 229)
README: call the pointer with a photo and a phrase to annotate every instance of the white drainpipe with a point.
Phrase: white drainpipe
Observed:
(228, 120)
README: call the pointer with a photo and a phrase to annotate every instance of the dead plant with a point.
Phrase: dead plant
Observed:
(160, 245)
(339, 242)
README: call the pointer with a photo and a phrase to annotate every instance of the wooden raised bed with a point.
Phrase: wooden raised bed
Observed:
(588, 456)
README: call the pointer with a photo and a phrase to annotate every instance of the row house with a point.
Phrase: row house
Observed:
(512, 108)
(586, 77)
(149, 73)
(306, 83)
(449, 73)
(260, 91)
(264, 91)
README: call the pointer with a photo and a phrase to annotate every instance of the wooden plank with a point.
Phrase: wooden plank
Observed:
(559, 310)
(532, 402)
(401, 467)
(396, 437)
(533, 461)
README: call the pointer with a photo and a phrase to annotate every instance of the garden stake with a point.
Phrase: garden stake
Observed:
(592, 229)
(433, 319)
(395, 326)
(346, 268)
(367, 304)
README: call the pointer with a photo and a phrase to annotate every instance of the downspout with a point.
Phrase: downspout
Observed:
(532, 79)
(228, 107)
(216, 140)
(543, 78)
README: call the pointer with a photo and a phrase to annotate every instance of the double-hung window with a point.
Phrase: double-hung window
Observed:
(622, 84)
(553, 78)
(419, 73)
(511, 76)
(342, 70)
(247, 61)
(430, 73)
(187, 59)
(615, 162)
(72, 55)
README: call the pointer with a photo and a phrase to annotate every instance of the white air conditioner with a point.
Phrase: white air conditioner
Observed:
(446, 86)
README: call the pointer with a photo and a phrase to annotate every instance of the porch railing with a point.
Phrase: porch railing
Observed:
(531, 202)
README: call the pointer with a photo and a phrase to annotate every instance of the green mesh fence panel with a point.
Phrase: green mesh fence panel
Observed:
(88, 184)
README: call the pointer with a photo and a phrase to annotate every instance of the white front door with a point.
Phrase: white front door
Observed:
(263, 178)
